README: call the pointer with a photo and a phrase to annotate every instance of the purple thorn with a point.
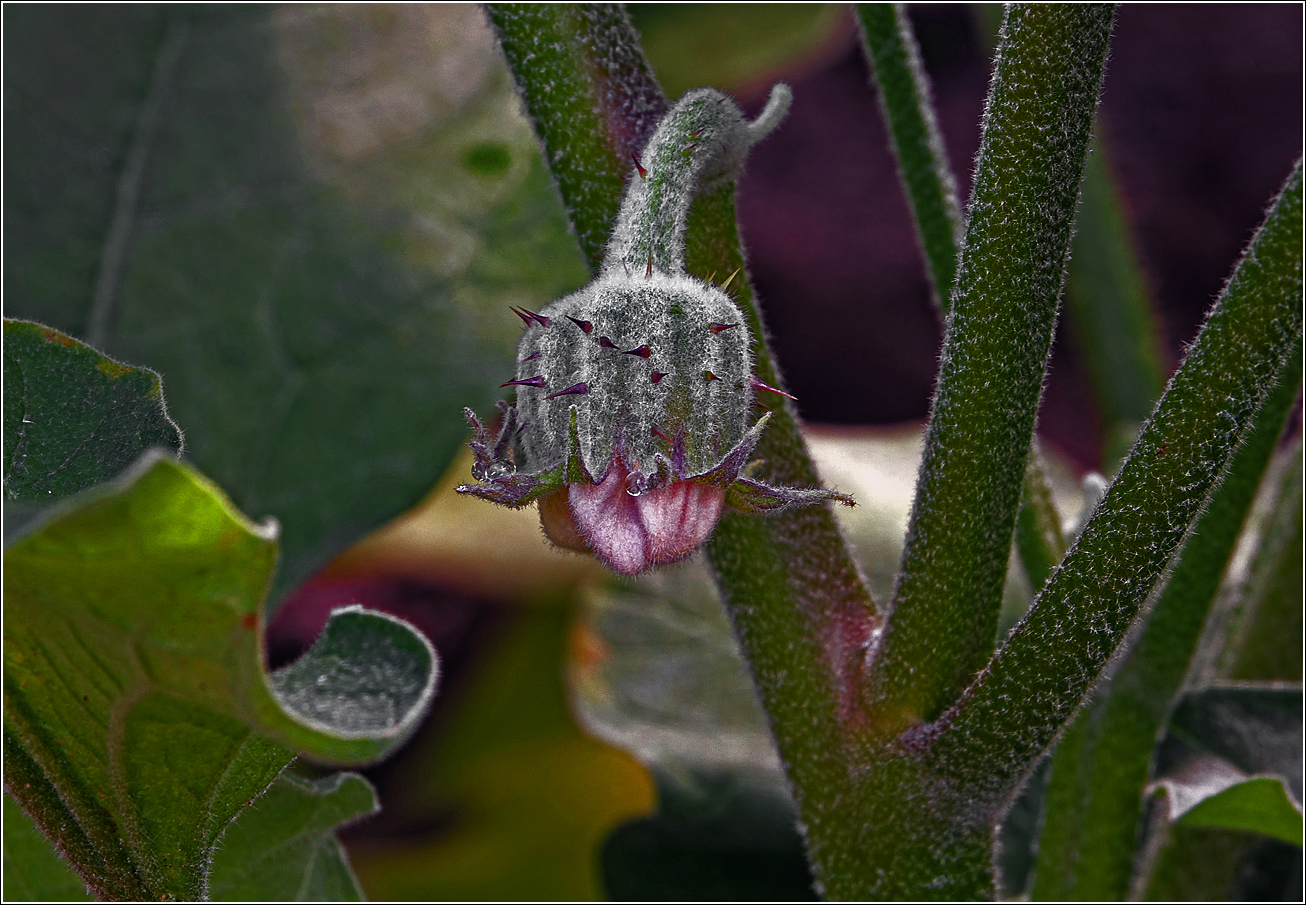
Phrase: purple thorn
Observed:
(579, 389)
(532, 357)
(530, 316)
(720, 328)
(537, 382)
(767, 388)
(607, 343)
(585, 326)
(656, 376)
(643, 173)
(658, 433)
(642, 352)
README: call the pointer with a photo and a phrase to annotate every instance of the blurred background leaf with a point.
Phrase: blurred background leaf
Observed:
(735, 46)
(309, 220)
(506, 798)
(33, 870)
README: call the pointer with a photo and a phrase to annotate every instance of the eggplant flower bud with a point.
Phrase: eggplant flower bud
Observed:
(631, 421)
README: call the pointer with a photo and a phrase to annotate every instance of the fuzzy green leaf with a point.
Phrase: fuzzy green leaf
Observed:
(318, 268)
(282, 848)
(33, 870)
(139, 719)
(279, 849)
(73, 418)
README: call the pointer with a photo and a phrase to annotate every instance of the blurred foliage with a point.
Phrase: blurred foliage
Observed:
(309, 220)
(733, 46)
(515, 797)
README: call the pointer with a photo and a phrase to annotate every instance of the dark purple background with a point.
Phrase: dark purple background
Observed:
(1202, 118)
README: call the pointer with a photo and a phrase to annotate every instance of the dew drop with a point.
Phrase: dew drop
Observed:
(637, 483)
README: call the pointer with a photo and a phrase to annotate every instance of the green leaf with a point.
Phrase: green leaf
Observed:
(282, 848)
(139, 719)
(72, 417)
(514, 796)
(1260, 804)
(318, 267)
(1234, 760)
(33, 870)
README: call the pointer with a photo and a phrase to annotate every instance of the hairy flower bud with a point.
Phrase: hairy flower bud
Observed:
(631, 423)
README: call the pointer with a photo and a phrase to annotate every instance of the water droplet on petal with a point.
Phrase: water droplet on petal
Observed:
(637, 483)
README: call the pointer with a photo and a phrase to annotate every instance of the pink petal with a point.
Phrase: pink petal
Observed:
(609, 520)
(678, 518)
(632, 534)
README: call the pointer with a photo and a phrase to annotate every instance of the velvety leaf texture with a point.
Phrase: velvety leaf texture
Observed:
(73, 418)
(139, 718)
(282, 848)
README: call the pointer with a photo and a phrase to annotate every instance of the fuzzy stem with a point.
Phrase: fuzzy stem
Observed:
(703, 139)
(998, 339)
(1038, 525)
(592, 98)
(903, 89)
(904, 94)
(1101, 765)
(1051, 660)
(802, 613)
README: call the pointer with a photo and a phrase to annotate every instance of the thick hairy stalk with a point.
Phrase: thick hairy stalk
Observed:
(1037, 124)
